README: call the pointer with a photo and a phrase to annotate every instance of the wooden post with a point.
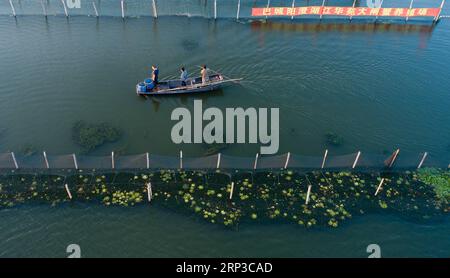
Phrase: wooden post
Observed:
(422, 160)
(379, 186)
(238, 9)
(112, 161)
(410, 7)
(308, 193)
(287, 160)
(75, 161)
(218, 161)
(256, 161)
(155, 12)
(395, 154)
(356, 160)
(321, 9)
(181, 159)
(68, 191)
(14, 160)
(65, 8)
(147, 157)
(353, 6)
(324, 158)
(215, 9)
(46, 160)
(44, 10)
(12, 8)
(442, 6)
(122, 8)
(95, 8)
(149, 192)
(293, 5)
(231, 190)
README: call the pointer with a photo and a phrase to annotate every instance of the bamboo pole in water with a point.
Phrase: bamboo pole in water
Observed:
(410, 7)
(95, 8)
(181, 159)
(356, 160)
(308, 193)
(65, 8)
(147, 157)
(231, 190)
(442, 6)
(321, 9)
(395, 154)
(155, 12)
(12, 8)
(287, 160)
(66, 186)
(379, 186)
(215, 9)
(324, 158)
(381, 4)
(122, 8)
(353, 6)
(238, 9)
(293, 5)
(14, 160)
(44, 10)
(112, 161)
(149, 192)
(256, 161)
(422, 160)
(218, 161)
(75, 161)
(46, 160)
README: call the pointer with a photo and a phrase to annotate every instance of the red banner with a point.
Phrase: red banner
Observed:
(346, 11)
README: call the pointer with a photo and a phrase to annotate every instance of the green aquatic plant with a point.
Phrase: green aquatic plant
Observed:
(334, 139)
(439, 180)
(90, 136)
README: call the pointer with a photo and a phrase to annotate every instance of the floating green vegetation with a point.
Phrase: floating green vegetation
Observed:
(229, 200)
(439, 180)
(334, 139)
(90, 136)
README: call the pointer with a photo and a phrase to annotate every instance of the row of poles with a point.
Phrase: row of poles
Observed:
(389, 162)
(155, 12)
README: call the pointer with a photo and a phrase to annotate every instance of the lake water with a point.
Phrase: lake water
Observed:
(380, 87)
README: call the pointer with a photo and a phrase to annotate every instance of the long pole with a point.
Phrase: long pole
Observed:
(149, 192)
(112, 161)
(215, 9)
(155, 12)
(268, 5)
(75, 163)
(44, 10)
(12, 8)
(353, 6)
(66, 186)
(122, 8)
(394, 157)
(410, 7)
(439, 14)
(324, 158)
(231, 190)
(147, 158)
(218, 161)
(356, 160)
(65, 8)
(46, 160)
(379, 186)
(181, 159)
(238, 9)
(321, 9)
(293, 5)
(14, 160)
(422, 160)
(381, 4)
(308, 193)
(95, 8)
(287, 160)
(256, 161)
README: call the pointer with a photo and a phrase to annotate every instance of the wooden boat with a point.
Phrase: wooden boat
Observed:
(192, 85)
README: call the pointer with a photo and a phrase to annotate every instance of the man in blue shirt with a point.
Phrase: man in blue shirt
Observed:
(183, 76)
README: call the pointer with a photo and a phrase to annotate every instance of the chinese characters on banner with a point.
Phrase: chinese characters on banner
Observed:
(346, 11)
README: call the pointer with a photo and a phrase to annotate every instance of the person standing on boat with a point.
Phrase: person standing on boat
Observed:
(183, 76)
(155, 75)
(204, 73)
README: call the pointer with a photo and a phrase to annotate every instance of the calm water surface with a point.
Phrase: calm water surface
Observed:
(379, 87)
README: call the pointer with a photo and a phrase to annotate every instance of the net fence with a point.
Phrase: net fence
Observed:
(358, 161)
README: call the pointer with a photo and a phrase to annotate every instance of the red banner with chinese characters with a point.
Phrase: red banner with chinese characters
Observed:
(346, 11)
